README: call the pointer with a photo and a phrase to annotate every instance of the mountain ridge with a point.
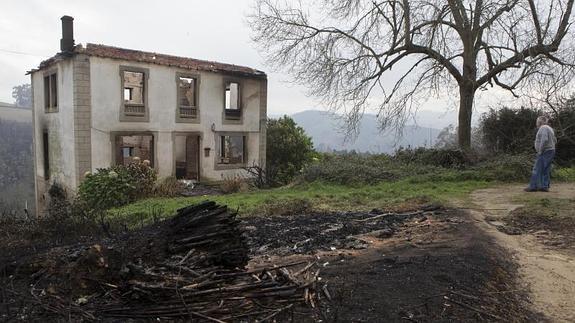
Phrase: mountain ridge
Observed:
(326, 132)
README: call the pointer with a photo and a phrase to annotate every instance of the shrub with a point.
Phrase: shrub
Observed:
(289, 149)
(142, 176)
(233, 184)
(117, 185)
(349, 170)
(509, 131)
(513, 131)
(169, 187)
(446, 158)
(564, 174)
(507, 168)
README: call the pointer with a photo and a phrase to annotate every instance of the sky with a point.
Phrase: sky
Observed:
(30, 31)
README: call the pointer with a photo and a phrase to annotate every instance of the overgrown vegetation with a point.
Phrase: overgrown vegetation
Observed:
(117, 185)
(362, 182)
(512, 131)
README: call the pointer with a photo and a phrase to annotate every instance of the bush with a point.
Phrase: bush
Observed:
(513, 131)
(508, 168)
(233, 184)
(169, 187)
(117, 185)
(564, 123)
(349, 170)
(566, 174)
(509, 131)
(289, 149)
(446, 158)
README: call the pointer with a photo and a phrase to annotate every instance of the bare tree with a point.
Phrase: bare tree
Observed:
(394, 54)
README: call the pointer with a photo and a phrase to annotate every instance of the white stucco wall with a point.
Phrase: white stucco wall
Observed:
(106, 96)
(60, 127)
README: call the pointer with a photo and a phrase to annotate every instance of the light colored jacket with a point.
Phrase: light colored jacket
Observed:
(545, 139)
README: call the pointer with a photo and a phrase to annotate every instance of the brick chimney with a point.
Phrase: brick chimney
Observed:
(67, 41)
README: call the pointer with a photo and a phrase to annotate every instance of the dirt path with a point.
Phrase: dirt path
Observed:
(549, 274)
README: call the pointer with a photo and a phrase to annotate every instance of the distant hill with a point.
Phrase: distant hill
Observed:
(325, 130)
(11, 112)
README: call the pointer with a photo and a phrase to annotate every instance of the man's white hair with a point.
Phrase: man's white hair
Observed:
(542, 120)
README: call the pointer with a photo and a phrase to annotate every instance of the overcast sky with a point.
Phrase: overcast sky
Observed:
(30, 31)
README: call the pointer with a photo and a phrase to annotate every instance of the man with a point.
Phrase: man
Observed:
(545, 146)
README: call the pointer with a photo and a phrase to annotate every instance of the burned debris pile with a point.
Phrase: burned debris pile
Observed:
(305, 234)
(191, 267)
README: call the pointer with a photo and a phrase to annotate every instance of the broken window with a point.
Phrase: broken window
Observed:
(233, 100)
(133, 91)
(129, 147)
(51, 92)
(187, 97)
(232, 149)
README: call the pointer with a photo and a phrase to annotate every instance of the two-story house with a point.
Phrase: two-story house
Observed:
(97, 106)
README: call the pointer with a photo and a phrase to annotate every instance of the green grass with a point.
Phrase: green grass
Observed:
(564, 174)
(316, 196)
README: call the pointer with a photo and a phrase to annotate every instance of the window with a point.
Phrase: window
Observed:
(51, 92)
(232, 149)
(233, 100)
(187, 96)
(134, 96)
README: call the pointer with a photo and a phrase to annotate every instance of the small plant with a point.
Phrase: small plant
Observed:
(169, 187)
(233, 184)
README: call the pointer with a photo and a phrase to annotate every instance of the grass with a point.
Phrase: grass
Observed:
(317, 196)
(350, 183)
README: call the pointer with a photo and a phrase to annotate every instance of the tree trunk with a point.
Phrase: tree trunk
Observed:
(466, 95)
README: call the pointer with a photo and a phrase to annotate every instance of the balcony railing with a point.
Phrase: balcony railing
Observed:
(134, 110)
(233, 113)
(188, 112)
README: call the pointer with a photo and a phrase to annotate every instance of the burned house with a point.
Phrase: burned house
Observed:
(97, 106)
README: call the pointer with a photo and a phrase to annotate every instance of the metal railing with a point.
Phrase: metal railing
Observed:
(134, 110)
(188, 112)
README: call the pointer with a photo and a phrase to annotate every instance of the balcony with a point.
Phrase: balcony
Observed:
(233, 113)
(138, 110)
(188, 112)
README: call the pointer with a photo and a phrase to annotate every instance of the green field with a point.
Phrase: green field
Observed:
(313, 196)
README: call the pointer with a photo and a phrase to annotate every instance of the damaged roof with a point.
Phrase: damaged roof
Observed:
(155, 58)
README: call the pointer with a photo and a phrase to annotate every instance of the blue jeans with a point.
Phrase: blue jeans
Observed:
(540, 177)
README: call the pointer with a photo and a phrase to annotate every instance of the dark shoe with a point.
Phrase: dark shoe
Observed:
(528, 189)
(544, 190)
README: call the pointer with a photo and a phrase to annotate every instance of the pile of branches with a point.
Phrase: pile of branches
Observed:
(199, 273)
